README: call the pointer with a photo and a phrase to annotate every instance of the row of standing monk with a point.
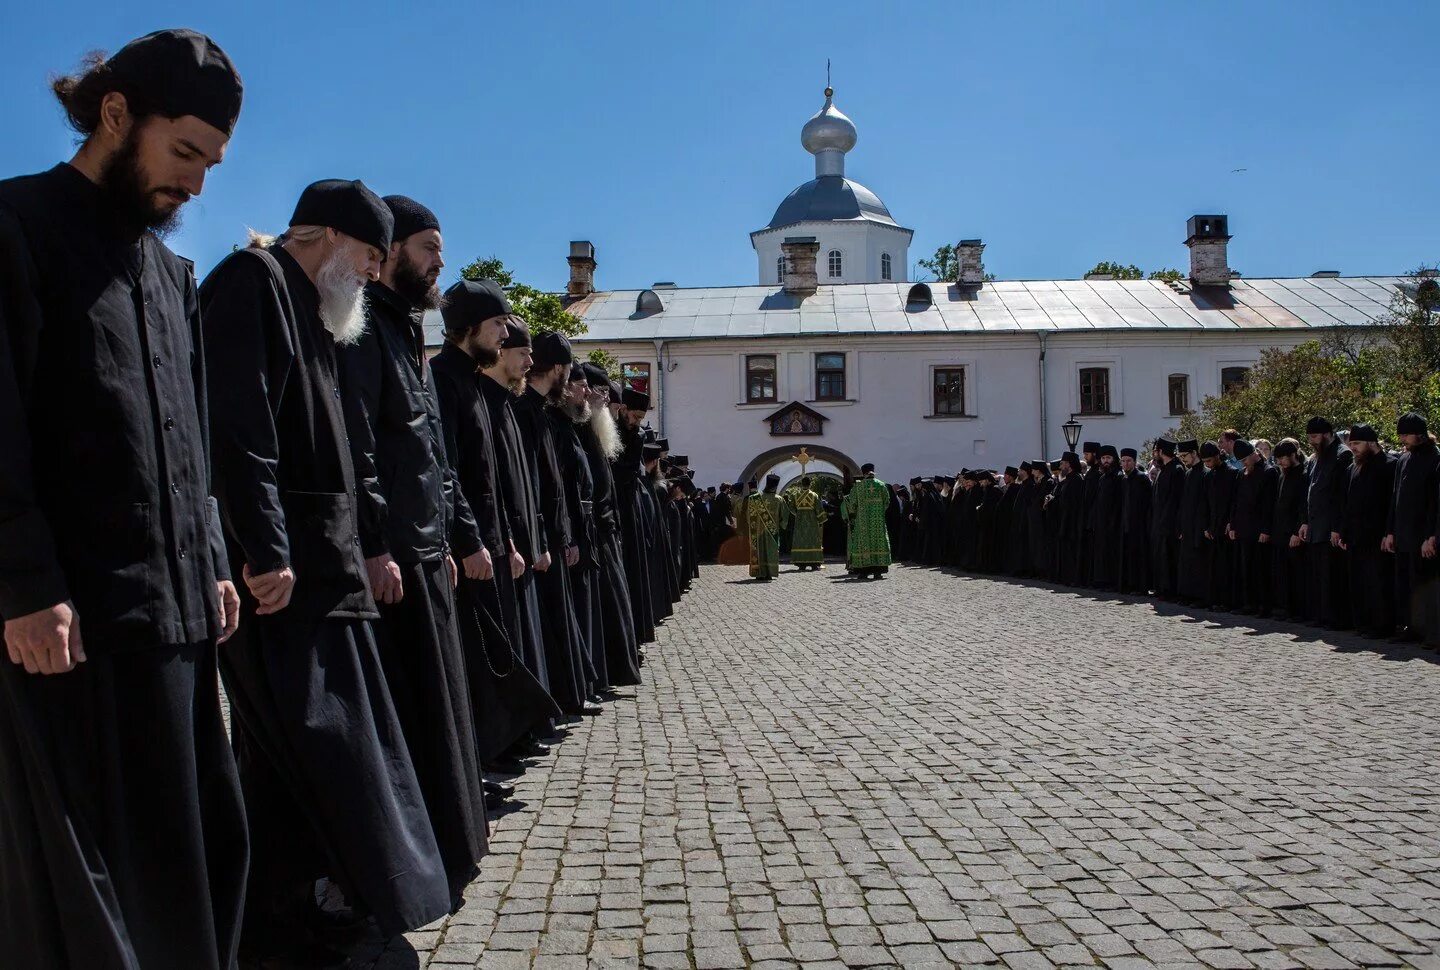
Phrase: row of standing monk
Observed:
(1343, 537)
(407, 571)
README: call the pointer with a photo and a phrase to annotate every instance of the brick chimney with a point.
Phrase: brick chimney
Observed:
(800, 276)
(971, 271)
(582, 270)
(1208, 238)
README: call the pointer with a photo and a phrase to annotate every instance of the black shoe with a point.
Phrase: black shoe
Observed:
(500, 789)
(302, 955)
(331, 928)
(529, 748)
(493, 802)
(591, 710)
(505, 766)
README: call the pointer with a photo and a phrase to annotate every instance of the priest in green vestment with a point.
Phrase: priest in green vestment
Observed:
(807, 515)
(767, 515)
(868, 552)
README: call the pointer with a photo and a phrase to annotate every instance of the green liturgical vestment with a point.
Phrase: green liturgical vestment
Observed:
(806, 539)
(868, 544)
(767, 514)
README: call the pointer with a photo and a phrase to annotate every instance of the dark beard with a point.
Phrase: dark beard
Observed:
(486, 358)
(126, 200)
(414, 288)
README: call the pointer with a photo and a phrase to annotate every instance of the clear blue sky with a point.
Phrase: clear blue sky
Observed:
(1061, 133)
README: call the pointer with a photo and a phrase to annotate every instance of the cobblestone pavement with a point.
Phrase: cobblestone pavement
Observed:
(946, 771)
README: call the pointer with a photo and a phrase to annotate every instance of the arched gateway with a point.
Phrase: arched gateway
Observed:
(783, 462)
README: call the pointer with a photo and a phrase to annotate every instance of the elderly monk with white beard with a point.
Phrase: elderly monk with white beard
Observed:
(330, 788)
(122, 833)
(600, 439)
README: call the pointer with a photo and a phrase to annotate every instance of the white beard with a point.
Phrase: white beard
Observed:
(342, 299)
(602, 422)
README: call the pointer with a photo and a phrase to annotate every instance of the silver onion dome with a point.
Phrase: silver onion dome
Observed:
(828, 136)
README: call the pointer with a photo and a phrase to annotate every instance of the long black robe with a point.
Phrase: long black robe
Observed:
(1164, 517)
(122, 833)
(617, 615)
(1037, 536)
(315, 728)
(664, 578)
(584, 576)
(1225, 590)
(507, 700)
(1414, 515)
(1086, 575)
(1193, 572)
(564, 643)
(629, 478)
(408, 502)
(1328, 581)
(1017, 540)
(1135, 552)
(1372, 570)
(518, 503)
(1109, 500)
(1068, 508)
(1288, 581)
(1250, 519)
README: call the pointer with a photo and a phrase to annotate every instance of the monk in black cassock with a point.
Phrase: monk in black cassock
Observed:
(1090, 452)
(1008, 490)
(600, 437)
(1164, 518)
(1250, 528)
(330, 789)
(1193, 570)
(414, 520)
(1109, 497)
(1288, 556)
(1037, 535)
(1411, 533)
(634, 520)
(1220, 501)
(1362, 532)
(519, 500)
(122, 834)
(566, 652)
(1328, 579)
(508, 701)
(1135, 551)
(1017, 539)
(579, 485)
(664, 573)
(1067, 507)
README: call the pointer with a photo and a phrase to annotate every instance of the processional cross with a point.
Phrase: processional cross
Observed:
(803, 459)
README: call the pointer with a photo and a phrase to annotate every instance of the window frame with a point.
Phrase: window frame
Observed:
(630, 370)
(1108, 402)
(1170, 380)
(887, 273)
(835, 264)
(1245, 368)
(774, 396)
(822, 372)
(780, 268)
(963, 371)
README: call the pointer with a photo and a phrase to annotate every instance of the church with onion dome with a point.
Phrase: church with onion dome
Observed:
(833, 357)
(860, 242)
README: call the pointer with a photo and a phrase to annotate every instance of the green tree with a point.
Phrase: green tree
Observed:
(607, 360)
(1169, 275)
(943, 265)
(542, 312)
(1107, 268)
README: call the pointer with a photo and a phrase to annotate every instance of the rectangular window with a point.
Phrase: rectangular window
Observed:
(829, 377)
(1179, 394)
(1233, 377)
(949, 390)
(759, 378)
(1094, 390)
(636, 375)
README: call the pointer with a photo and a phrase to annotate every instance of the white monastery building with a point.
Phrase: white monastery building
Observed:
(835, 351)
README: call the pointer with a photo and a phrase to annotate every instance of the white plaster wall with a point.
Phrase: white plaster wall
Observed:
(860, 241)
(888, 382)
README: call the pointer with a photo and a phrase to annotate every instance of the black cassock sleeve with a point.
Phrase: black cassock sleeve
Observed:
(475, 522)
(215, 531)
(248, 356)
(31, 578)
(362, 376)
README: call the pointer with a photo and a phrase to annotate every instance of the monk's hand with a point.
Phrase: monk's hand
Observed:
(1387, 544)
(572, 555)
(1265, 538)
(543, 563)
(1304, 533)
(1427, 548)
(385, 582)
(517, 565)
(1335, 540)
(271, 590)
(478, 565)
(452, 570)
(1295, 542)
(46, 641)
(229, 608)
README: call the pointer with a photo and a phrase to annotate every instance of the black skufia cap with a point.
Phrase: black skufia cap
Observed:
(615, 396)
(470, 303)
(1166, 445)
(1090, 446)
(174, 73)
(1243, 449)
(867, 468)
(1026, 465)
(552, 348)
(577, 372)
(1319, 425)
(1285, 449)
(1364, 432)
(1209, 450)
(1189, 444)
(1411, 423)
(635, 400)
(1129, 453)
(1109, 450)
(410, 217)
(348, 207)
(516, 335)
(1011, 470)
(595, 375)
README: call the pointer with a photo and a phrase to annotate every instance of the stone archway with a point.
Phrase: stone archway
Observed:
(764, 462)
